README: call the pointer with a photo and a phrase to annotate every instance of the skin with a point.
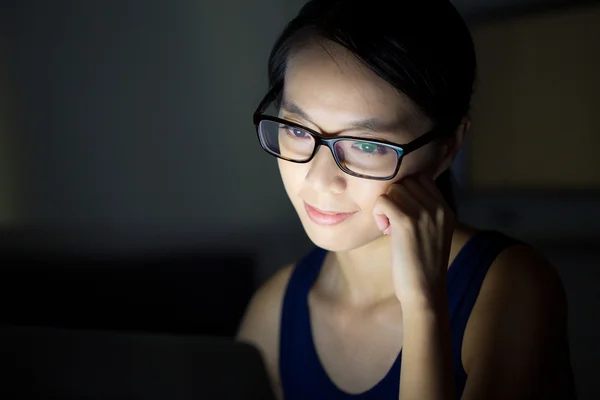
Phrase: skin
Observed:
(382, 284)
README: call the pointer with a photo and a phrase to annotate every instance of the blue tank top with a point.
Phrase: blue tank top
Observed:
(301, 372)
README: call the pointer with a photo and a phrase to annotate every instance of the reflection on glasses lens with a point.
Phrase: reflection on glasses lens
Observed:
(366, 158)
(286, 141)
(355, 156)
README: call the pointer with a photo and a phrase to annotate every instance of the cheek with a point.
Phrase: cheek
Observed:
(365, 193)
(292, 175)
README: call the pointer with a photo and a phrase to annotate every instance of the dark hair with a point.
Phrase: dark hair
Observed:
(421, 47)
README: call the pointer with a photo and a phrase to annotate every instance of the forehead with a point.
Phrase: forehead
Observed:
(328, 82)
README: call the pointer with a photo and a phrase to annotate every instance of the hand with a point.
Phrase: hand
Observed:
(420, 224)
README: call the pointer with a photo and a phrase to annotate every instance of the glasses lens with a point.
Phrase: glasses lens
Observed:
(367, 158)
(285, 141)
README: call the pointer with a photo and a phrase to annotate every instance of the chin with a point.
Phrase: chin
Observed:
(340, 238)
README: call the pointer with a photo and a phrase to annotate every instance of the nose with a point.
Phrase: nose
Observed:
(324, 175)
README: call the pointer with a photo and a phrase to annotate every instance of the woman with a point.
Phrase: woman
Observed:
(368, 107)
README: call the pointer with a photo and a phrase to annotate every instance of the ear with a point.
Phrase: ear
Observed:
(449, 148)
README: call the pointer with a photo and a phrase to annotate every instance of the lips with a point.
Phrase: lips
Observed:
(326, 218)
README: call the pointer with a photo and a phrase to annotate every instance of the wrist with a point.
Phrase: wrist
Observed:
(425, 305)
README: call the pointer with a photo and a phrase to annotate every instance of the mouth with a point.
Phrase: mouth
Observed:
(326, 218)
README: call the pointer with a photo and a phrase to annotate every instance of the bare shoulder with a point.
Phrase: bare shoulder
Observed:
(517, 326)
(522, 271)
(522, 280)
(262, 315)
(260, 323)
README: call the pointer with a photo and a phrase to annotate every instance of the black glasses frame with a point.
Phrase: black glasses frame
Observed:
(401, 149)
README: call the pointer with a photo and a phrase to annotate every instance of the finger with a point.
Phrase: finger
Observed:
(442, 214)
(403, 196)
(425, 221)
(445, 210)
(388, 214)
(423, 196)
(382, 222)
(430, 186)
(433, 211)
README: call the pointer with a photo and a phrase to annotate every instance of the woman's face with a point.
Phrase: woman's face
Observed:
(329, 91)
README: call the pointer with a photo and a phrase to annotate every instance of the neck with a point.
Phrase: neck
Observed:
(363, 276)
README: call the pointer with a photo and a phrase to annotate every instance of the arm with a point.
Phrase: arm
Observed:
(260, 324)
(427, 351)
(420, 225)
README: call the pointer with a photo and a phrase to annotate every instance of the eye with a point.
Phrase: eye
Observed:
(370, 148)
(295, 132)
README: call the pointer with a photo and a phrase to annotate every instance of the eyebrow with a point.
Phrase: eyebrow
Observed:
(369, 124)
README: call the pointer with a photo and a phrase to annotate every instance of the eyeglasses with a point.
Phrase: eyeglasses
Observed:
(369, 159)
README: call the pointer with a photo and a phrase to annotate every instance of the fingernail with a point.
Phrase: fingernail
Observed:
(382, 222)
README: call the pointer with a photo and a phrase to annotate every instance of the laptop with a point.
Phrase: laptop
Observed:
(54, 363)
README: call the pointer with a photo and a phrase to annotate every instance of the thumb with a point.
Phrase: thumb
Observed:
(381, 219)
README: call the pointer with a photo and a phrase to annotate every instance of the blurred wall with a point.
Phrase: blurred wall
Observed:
(530, 164)
(535, 109)
(8, 174)
(135, 126)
